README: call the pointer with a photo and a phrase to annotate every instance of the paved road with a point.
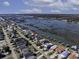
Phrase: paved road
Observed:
(34, 45)
(10, 45)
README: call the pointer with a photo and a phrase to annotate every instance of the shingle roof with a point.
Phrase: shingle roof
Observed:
(59, 49)
(72, 56)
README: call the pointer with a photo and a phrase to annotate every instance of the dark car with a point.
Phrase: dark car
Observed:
(1, 36)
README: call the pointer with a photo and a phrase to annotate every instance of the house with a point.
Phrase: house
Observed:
(53, 47)
(2, 43)
(60, 49)
(64, 54)
(73, 55)
(1, 56)
(75, 48)
(21, 43)
(27, 54)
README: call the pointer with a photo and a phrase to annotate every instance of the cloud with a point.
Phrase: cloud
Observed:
(53, 3)
(74, 2)
(43, 1)
(6, 3)
(55, 11)
(62, 5)
(67, 5)
(58, 5)
(34, 10)
(75, 8)
(38, 3)
(26, 3)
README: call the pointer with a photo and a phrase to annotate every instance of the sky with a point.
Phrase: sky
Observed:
(39, 6)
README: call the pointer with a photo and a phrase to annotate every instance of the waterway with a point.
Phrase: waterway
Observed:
(61, 30)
